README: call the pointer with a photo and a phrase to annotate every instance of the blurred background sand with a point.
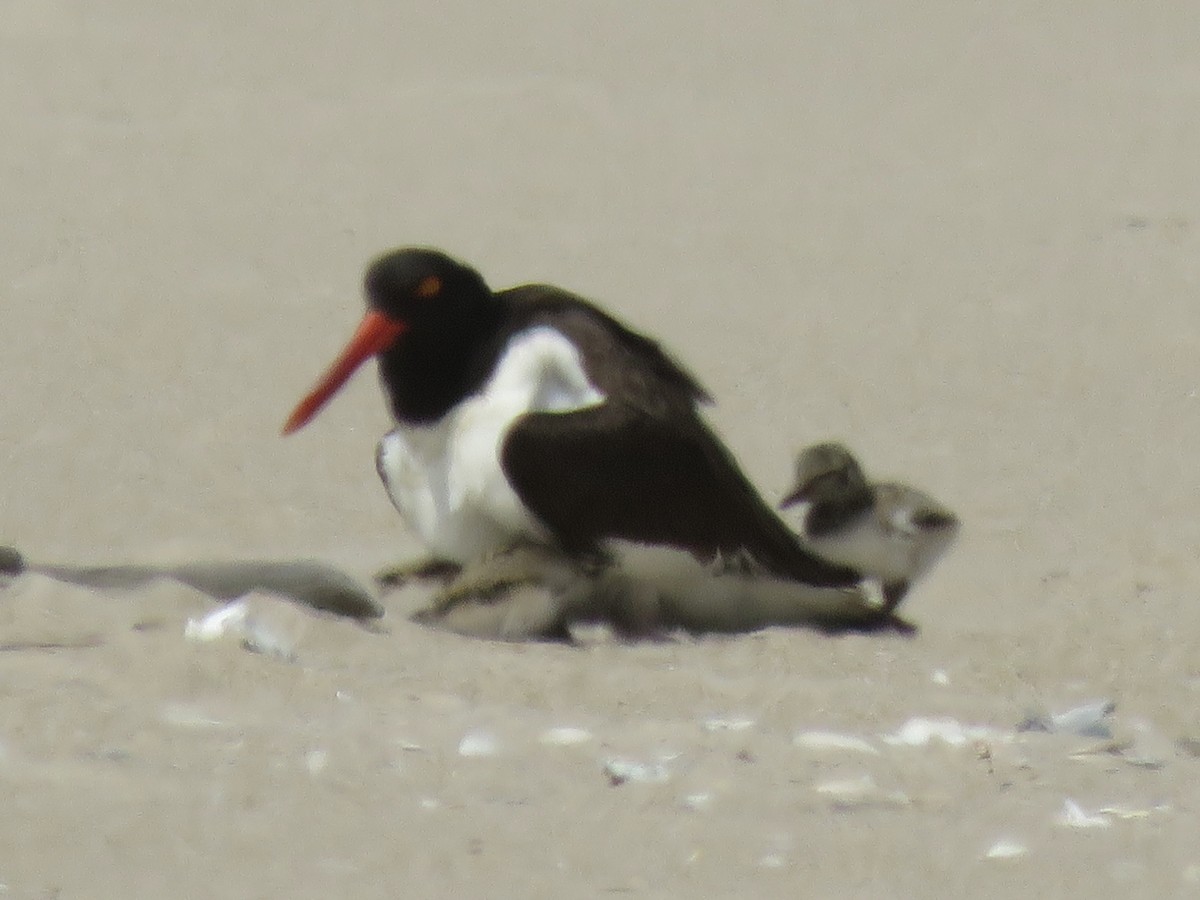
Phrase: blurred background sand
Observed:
(962, 237)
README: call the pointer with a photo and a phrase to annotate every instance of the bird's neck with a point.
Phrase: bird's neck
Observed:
(834, 511)
(438, 363)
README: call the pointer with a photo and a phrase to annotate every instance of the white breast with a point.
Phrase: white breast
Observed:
(884, 542)
(445, 478)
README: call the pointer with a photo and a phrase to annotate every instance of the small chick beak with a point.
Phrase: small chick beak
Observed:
(796, 496)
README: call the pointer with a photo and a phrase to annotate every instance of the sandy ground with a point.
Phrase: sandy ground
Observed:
(962, 237)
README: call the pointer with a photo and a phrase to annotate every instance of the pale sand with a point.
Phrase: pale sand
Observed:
(962, 238)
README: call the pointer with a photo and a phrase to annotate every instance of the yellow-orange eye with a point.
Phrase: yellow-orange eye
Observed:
(430, 286)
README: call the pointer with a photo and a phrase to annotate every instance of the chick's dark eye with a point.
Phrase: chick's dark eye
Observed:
(430, 286)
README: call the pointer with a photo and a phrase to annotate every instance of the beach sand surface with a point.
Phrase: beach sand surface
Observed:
(962, 238)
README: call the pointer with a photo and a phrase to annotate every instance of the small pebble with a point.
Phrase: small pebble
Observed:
(939, 676)
(11, 561)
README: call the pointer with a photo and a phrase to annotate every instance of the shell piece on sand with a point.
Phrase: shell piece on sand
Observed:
(263, 624)
(727, 723)
(225, 620)
(1086, 720)
(478, 743)
(847, 793)
(831, 740)
(184, 715)
(565, 736)
(619, 771)
(1006, 848)
(1074, 816)
(919, 731)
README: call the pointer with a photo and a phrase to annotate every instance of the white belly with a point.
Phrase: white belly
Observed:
(445, 477)
(873, 549)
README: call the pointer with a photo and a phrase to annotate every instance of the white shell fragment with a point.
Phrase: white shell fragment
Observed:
(1006, 849)
(224, 620)
(918, 732)
(263, 625)
(1127, 813)
(831, 740)
(565, 736)
(720, 723)
(1087, 720)
(1074, 816)
(182, 715)
(478, 743)
(847, 793)
(620, 771)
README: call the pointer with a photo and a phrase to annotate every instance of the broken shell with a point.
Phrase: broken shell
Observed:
(831, 740)
(1074, 816)
(1006, 849)
(620, 771)
(478, 743)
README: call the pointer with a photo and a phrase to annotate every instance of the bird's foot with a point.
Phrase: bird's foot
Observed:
(498, 573)
(893, 593)
(427, 569)
(874, 594)
(881, 600)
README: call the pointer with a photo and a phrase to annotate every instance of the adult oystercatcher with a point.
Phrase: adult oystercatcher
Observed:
(530, 415)
(888, 531)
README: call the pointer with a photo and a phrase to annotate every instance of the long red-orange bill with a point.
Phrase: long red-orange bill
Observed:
(376, 332)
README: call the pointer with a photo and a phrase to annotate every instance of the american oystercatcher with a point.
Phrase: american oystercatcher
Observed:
(528, 415)
(889, 531)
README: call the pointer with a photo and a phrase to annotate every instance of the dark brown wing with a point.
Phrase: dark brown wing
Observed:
(651, 479)
(619, 361)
